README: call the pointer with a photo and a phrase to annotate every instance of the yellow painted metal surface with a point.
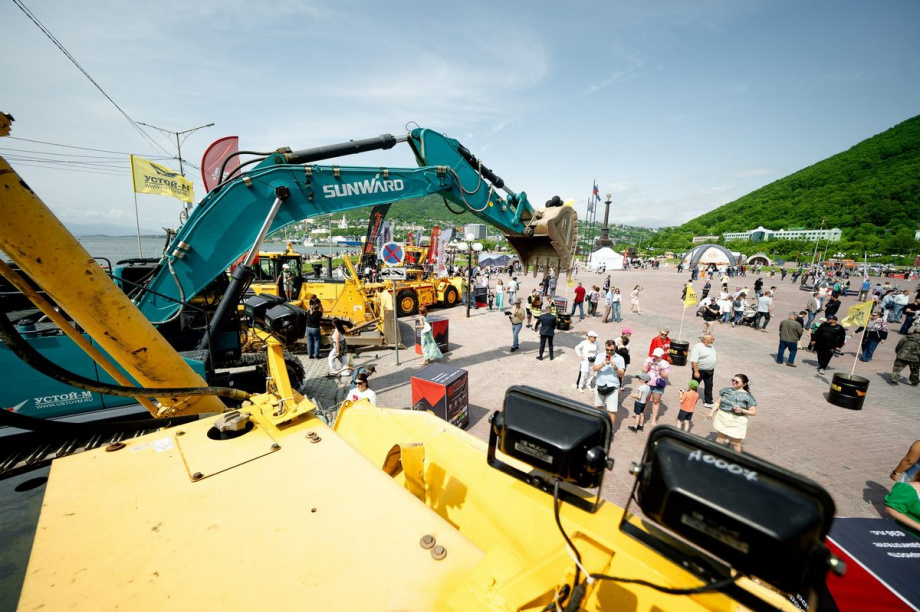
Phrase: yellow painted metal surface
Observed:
(311, 526)
(35, 240)
(513, 524)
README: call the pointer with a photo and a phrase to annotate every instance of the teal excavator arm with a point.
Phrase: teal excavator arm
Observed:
(286, 187)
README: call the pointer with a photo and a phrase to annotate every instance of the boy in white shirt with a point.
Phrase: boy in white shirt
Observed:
(641, 397)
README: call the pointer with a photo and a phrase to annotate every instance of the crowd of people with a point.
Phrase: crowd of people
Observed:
(641, 389)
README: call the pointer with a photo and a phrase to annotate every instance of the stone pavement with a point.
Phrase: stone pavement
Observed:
(849, 452)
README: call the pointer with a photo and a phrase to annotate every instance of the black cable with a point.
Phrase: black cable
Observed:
(223, 166)
(556, 504)
(32, 357)
(712, 586)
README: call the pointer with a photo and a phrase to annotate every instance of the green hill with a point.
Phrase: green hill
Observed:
(871, 192)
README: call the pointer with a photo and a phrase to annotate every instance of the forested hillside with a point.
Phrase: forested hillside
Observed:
(871, 192)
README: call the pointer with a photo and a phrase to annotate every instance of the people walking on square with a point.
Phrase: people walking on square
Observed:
(314, 320)
(634, 300)
(609, 369)
(790, 332)
(518, 314)
(907, 355)
(656, 370)
(586, 351)
(688, 400)
(595, 300)
(500, 295)
(911, 312)
(738, 308)
(828, 338)
(640, 398)
(616, 301)
(864, 290)
(546, 326)
(731, 411)
(711, 314)
(764, 311)
(662, 341)
(608, 305)
(534, 307)
(430, 350)
(512, 290)
(900, 299)
(876, 333)
(579, 302)
(703, 361)
(832, 306)
(812, 308)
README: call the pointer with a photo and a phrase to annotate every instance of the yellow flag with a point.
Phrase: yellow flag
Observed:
(690, 298)
(153, 178)
(858, 314)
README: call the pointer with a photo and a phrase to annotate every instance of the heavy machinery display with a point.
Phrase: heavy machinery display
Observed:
(268, 507)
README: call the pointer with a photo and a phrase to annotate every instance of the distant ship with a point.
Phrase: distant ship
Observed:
(346, 241)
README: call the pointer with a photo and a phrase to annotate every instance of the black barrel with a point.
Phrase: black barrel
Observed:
(563, 321)
(678, 352)
(848, 391)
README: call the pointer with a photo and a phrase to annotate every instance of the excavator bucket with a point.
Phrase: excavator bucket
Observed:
(549, 239)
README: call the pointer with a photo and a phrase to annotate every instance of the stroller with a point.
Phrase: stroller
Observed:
(750, 315)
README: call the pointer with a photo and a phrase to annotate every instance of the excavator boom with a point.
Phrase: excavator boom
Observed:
(284, 189)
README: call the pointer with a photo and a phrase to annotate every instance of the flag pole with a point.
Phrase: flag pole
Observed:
(137, 219)
(137, 225)
(859, 348)
(681, 330)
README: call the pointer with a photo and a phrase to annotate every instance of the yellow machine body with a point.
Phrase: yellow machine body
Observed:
(293, 516)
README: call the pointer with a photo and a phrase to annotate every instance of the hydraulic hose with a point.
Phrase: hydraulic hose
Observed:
(32, 357)
(47, 426)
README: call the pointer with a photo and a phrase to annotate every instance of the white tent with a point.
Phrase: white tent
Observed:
(607, 257)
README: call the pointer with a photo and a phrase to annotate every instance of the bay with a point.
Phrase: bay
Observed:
(117, 248)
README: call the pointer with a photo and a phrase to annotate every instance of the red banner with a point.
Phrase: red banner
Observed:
(214, 157)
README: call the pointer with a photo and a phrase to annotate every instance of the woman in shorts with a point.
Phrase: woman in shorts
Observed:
(731, 411)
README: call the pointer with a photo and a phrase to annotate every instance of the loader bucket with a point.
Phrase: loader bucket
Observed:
(549, 239)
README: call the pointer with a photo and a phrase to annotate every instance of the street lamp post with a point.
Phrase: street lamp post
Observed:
(470, 247)
(187, 133)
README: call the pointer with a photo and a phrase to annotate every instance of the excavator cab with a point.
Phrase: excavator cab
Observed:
(549, 239)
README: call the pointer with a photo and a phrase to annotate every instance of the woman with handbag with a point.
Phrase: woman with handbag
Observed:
(430, 348)
(731, 412)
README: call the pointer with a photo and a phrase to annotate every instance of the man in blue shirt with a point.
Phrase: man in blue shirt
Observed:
(609, 370)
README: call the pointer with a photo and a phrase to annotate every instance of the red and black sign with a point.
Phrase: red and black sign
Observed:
(444, 391)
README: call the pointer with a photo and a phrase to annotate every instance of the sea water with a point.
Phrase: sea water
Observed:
(117, 248)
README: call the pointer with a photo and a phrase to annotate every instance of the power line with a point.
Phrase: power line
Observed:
(60, 46)
(56, 144)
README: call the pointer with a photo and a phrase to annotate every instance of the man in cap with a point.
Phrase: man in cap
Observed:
(907, 354)
(546, 325)
(790, 332)
(828, 338)
(517, 315)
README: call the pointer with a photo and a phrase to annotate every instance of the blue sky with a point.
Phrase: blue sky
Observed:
(673, 107)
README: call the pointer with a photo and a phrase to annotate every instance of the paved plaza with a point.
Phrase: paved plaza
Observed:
(849, 452)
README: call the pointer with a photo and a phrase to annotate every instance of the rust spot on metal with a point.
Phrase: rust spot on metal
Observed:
(156, 527)
(38, 260)
(114, 446)
(143, 349)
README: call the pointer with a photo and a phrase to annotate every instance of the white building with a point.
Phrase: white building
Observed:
(477, 229)
(762, 233)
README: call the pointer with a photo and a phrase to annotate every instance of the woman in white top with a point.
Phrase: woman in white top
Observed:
(500, 295)
(586, 350)
(362, 391)
(634, 300)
